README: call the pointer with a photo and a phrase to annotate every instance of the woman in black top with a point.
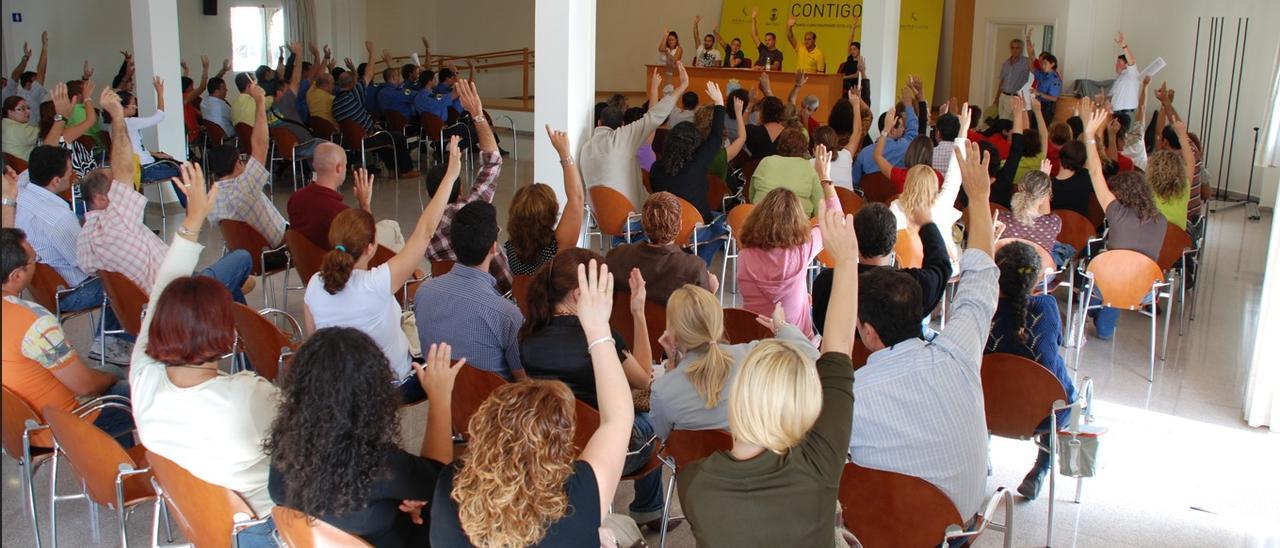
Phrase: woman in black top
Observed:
(335, 452)
(761, 139)
(1072, 188)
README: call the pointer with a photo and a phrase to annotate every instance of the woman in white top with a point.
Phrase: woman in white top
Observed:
(186, 409)
(694, 392)
(347, 293)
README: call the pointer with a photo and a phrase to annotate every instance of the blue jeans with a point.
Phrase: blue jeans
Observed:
(261, 535)
(231, 271)
(411, 390)
(637, 233)
(1061, 253)
(117, 423)
(1104, 319)
(708, 238)
(163, 171)
(647, 504)
(89, 295)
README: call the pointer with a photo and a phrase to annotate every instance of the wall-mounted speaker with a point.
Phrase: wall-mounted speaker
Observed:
(210, 7)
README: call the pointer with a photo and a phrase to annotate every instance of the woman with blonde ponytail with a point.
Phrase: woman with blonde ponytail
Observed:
(346, 292)
(1032, 219)
(694, 393)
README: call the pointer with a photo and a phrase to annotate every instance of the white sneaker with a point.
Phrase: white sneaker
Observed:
(119, 351)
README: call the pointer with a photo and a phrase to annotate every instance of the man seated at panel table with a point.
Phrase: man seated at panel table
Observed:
(770, 58)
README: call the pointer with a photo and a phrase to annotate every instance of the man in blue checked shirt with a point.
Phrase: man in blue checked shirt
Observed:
(899, 136)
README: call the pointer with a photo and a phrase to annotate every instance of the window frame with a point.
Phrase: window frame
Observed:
(268, 9)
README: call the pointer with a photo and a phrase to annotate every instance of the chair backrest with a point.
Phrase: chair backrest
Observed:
(1096, 214)
(1018, 394)
(94, 455)
(1124, 277)
(205, 512)
(284, 141)
(586, 424)
(395, 121)
(440, 268)
(644, 180)
(214, 133)
(18, 164)
(471, 388)
(307, 256)
(128, 301)
(89, 143)
(242, 235)
(381, 254)
(299, 530)
(740, 326)
(655, 315)
(1176, 240)
(45, 285)
(909, 249)
(1046, 260)
(686, 446)
(689, 219)
(999, 208)
(321, 127)
(850, 202)
(352, 133)
(244, 137)
(886, 508)
(520, 292)
(737, 218)
(611, 209)
(16, 414)
(1076, 229)
(432, 125)
(717, 189)
(262, 341)
(877, 188)
(860, 353)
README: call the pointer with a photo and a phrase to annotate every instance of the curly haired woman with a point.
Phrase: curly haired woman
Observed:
(334, 445)
(1170, 175)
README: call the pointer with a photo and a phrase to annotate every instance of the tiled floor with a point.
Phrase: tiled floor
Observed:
(1178, 466)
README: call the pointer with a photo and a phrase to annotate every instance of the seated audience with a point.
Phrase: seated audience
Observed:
(842, 160)
(29, 85)
(394, 96)
(57, 129)
(312, 208)
(762, 138)
(900, 424)
(778, 243)
(19, 134)
(156, 166)
(899, 136)
(463, 308)
(1170, 175)
(790, 169)
(947, 130)
(1028, 324)
(320, 98)
(1035, 142)
(921, 192)
(40, 366)
(658, 258)
(1033, 221)
(608, 157)
(242, 109)
(335, 443)
(347, 292)
(114, 237)
(789, 418)
(283, 112)
(877, 234)
(694, 392)
(188, 411)
(240, 182)
(727, 149)
(215, 108)
(684, 113)
(551, 343)
(1072, 189)
(521, 481)
(534, 235)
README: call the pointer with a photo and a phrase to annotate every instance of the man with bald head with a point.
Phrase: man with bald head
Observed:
(313, 207)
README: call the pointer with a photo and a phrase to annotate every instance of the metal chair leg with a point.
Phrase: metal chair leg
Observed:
(1151, 375)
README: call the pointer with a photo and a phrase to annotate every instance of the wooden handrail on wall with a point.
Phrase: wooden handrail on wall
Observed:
(488, 61)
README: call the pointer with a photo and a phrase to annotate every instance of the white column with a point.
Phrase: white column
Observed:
(155, 47)
(880, 47)
(564, 81)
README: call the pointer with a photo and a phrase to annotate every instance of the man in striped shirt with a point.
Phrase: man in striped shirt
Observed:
(349, 104)
(920, 409)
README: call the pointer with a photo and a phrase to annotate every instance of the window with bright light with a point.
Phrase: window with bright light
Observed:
(257, 34)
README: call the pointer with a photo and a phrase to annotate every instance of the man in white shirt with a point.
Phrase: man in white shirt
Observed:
(30, 85)
(1127, 87)
(707, 54)
(920, 410)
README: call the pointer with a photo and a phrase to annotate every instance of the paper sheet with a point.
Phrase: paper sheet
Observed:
(1156, 66)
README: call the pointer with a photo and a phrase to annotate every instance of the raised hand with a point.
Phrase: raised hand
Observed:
(87, 72)
(838, 236)
(438, 374)
(791, 21)
(200, 199)
(470, 99)
(595, 299)
(455, 160)
(974, 177)
(775, 321)
(204, 62)
(920, 216)
(226, 66)
(44, 39)
(328, 53)
(10, 187)
(1120, 40)
(1046, 166)
(891, 119)
(559, 141)
(684, 77)
(713, 91)
(295, 47)
(1018, 104)
(256, 92)
(26, 50)
(755, 12)
(636, 283)
(1097, 120)
(110, 102)
(363, 184)
(158, 83)
(801, 78)
(697, 19)
(822, 160)
(61, 102)
(738, 107)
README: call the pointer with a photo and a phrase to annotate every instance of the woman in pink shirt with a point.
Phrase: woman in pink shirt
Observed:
(778, 243)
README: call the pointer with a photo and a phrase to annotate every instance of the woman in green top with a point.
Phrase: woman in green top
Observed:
(1169, 174)
(790, 421)
(790, 168)
(1035, 143)
(702, 121)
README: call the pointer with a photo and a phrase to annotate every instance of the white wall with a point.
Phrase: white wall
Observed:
(1084, 42)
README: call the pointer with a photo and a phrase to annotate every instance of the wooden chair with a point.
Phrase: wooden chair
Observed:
(284, 148)
(613, 212)
(242, 235)
(736, 221)
(740, 326)
(269, 349)
(520, 292)
(1174, 254)
(886, 508)
(1077, 230)
(111, 476)
(690, 221)
(850, 201)
(683, 447)
(383, 254)
(47, 288)
(244, 138)
(1096, 214)
(1019, 395)
(209, 515)
(18, 164)
(717, 192)
(433, 128)
(655, 317)
(471, 388)
(299, 530)
(28, 441)
(644, 180)
(127, 300)
(440, 268)
(322, 128)
(860, 353)
(588, 421)
(876, 187)
(214, 136)
(909, 249)
(305, 254)
(354, 137)
(1124, 278)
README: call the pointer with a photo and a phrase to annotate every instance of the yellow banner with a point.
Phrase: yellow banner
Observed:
(919, 32)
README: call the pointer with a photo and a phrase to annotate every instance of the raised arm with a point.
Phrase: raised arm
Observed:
(368, 65)
(1184, 141)
(1031, 49)
(258, 141)
(606, 450)
(839, 239)
(655, 89)
(739, 118)
(470, 99)
(638, 367)
(570, 226)
(10, 193)
(977, 186)
(662, 44)
(755, 34)
(801, 80)
(198, 88)
(42, 65)
(1128, 55)
(121, 150)
(890, 122)
(1097, 121)
(59, 132)
(437, 377)
(1040, 124)
(295, 78)
(855, 139)
(715, 31)
(21, 67)
(791, 37)
(426, 52)
(415, 247)
(697, 36)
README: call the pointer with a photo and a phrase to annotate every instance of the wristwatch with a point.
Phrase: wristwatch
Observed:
(8, 202)
(59, 118)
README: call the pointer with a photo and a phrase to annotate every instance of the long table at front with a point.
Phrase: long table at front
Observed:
(827, 87)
